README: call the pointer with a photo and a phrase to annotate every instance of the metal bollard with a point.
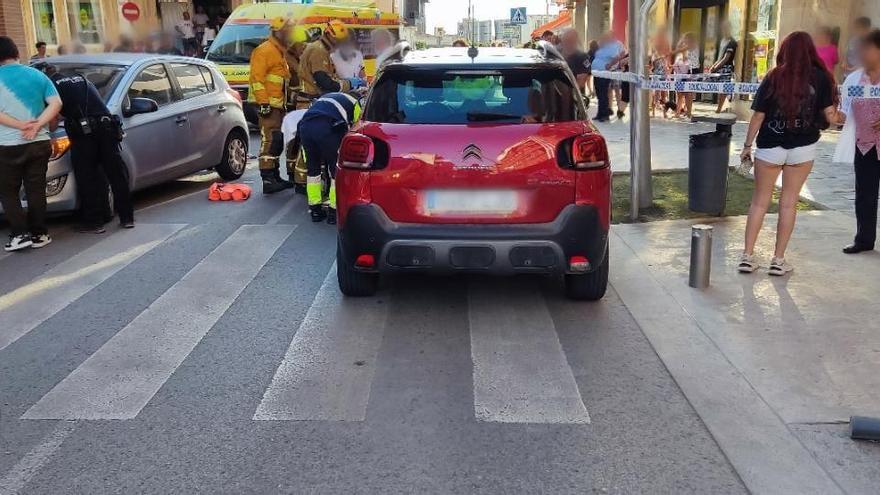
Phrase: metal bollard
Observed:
(701, 256)
(864, 428)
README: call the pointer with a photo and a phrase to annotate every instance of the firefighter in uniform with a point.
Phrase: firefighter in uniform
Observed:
(321, 131)
(268, 87)
(316, 69)
(296, 100)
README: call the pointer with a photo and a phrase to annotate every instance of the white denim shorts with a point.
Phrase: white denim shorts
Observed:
(780, 156)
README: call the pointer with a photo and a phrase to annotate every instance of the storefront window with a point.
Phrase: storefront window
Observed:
(44, 21)
(761, 41)
(85, 20)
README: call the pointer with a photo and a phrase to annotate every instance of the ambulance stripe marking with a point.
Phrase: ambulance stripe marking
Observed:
(121, 377)
(328, 370)
(521, 374)
(27, 307)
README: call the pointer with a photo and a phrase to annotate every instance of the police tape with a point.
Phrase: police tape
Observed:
(681, 85)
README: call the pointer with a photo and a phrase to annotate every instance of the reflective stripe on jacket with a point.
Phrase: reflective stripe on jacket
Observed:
(269, 74)
(338, 108)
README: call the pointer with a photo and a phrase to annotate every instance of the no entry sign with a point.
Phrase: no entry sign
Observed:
(130, 11)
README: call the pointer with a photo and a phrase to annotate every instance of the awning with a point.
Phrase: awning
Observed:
(561, 21)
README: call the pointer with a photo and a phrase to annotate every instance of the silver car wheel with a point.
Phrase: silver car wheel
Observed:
(237, 153)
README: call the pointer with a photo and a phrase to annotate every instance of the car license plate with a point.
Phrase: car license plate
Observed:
(470, 201)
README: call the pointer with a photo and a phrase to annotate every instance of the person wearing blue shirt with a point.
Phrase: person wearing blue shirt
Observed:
(610, 52)
(29, 103)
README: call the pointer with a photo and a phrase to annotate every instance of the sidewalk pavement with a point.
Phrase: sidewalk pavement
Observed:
(774, 366)
(831, 184)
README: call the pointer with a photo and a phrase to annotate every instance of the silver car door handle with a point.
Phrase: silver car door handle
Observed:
(181, 119)
(221, 109)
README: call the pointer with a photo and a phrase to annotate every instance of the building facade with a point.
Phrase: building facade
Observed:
(96, 22)
(758, 25)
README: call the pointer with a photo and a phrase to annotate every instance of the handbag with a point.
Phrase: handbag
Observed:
(745, 166)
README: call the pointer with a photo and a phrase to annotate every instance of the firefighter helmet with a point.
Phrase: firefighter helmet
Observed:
(277, 23)
(336, 30)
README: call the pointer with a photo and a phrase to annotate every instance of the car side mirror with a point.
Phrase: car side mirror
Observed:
(140, 105)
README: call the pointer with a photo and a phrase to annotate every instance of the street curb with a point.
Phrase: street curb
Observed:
(761, 448)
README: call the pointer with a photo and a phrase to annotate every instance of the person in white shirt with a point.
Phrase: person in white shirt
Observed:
(200, 21)
(349, 61)
(186, 31)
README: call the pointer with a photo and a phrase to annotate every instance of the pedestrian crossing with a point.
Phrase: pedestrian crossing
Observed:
(520, 371)
(24, 309)
(123, 375)
(329, 366)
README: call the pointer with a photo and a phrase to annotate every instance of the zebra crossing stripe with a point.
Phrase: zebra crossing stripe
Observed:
(521, 374)
(121, 377)
(22, 472)
(27, 307)
(328, 370)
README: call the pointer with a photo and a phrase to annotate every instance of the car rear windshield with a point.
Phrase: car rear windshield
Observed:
(514, 96)
(104, 77)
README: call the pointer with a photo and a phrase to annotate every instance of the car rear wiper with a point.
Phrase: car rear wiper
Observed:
(486, 116)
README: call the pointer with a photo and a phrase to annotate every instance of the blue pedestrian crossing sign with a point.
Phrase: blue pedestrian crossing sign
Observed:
(518, 16)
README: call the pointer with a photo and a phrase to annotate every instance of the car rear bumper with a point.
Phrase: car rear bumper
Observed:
(502, 249)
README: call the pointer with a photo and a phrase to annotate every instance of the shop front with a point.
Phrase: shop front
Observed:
(758, 26)
(97, 24)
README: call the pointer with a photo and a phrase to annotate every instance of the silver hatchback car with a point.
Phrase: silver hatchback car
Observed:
(179, 116)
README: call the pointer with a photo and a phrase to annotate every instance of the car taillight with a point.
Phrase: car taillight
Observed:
(589, 152)
(235, 94)
(356, 152)
(60, 145)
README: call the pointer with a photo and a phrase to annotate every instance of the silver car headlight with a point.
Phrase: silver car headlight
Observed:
(56, 185)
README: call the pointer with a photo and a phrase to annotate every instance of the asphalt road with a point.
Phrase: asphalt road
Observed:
(208, 350)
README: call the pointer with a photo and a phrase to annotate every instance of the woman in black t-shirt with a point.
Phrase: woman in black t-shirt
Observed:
(794, 103)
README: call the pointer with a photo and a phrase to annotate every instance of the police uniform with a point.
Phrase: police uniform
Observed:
(321, 131)
(94, 135)
(268, 87)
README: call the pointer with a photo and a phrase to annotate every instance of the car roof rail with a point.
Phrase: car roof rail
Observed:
(548, 50)
(394, 53)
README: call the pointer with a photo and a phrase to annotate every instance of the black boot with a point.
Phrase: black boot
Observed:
(271, 183)
(317, 212)
(299, 189)
(287, 184)
(331, 216)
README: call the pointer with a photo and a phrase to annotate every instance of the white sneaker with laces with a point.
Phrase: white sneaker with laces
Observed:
(779, 267)
(18, 242)
(747, 263)
(41, 240)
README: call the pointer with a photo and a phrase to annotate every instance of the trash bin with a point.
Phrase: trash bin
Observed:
(708, 161)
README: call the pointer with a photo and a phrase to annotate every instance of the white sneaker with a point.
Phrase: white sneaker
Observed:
(18, 242)
(779, 267)
(39, 241)
(747, 263)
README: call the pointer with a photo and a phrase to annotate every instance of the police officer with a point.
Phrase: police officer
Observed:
(268, 86)
(94, 136)
(321, 131)
(318, 73)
